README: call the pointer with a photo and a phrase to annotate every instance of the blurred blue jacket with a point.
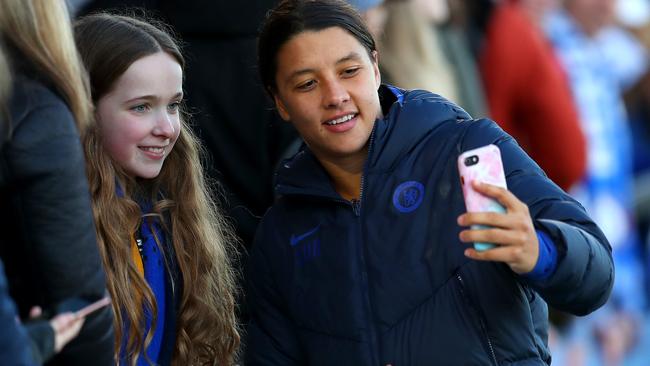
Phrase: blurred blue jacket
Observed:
(15, 345)
(384, 281)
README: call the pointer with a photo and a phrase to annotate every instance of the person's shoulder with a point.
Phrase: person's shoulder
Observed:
(424, 105)
(30, 95)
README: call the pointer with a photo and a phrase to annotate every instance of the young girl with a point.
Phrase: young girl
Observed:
(364, 259)
(165, 247)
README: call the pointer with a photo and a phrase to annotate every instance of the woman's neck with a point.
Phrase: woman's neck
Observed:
(346, 174)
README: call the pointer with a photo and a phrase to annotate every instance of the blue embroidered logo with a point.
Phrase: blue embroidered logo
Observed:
(408, 196)
(308, 249)
(297, 239)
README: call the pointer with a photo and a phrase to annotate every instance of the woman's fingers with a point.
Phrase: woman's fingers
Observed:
(512, 232)
(66, 327)
(521, 259)
(502, 195)
(492, 235)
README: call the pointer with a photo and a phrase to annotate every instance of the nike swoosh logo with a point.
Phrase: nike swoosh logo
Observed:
(297, 239)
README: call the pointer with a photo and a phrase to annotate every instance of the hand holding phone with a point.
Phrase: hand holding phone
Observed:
(484, 165)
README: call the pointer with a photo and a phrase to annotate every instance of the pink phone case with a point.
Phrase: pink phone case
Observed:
(484, 165)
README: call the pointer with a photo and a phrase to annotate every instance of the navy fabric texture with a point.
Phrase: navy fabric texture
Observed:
(385, 281)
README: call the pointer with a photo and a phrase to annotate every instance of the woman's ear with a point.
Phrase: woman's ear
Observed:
(375, 65)
(279, 105)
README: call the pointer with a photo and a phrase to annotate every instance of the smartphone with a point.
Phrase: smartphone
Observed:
(484, 165)
(86, 310)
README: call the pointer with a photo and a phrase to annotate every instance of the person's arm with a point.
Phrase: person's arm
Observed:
(583, 277)
(14, 343)
(271, 338)
(53, 208)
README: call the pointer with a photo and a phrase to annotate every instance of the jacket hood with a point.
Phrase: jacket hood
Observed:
(423, 111)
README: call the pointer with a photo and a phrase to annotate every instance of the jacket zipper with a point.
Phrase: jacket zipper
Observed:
(480, 319)
(356, 208)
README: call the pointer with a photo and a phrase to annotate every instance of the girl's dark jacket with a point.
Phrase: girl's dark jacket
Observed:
(384, 280)
(47, 240)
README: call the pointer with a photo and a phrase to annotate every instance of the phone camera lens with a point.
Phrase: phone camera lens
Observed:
(471, 160)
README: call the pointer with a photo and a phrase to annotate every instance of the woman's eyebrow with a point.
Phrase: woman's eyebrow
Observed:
(352, 56)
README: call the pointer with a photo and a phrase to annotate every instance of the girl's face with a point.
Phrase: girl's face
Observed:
(327, 88)
(139, 118)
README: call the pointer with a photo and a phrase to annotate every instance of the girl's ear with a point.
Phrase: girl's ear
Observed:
(281, 107)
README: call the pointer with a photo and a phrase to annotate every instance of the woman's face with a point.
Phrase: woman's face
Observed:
(139, 119)
(327, 88)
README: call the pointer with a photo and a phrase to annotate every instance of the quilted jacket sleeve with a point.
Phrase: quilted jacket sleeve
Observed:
(271, 337)
(55, 256)
(584, 275)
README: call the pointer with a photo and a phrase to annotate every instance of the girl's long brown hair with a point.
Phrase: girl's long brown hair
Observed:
(207, 331)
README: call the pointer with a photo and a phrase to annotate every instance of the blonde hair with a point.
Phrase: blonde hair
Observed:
(202, 240)
(410, 52)
(41, 31)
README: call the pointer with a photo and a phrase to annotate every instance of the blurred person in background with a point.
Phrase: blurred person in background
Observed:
(431, 38)
(634, 16)
(529, 94)
(48, 240)
(411, 52)
(455, 34)
(581, 34)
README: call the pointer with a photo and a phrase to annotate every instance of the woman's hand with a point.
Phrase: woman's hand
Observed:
(513, 233)
(66, 327)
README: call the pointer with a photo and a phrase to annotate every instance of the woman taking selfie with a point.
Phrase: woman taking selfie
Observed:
(366, 258)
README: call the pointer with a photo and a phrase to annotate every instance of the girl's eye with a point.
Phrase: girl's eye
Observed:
(351, 71)
(174, 107)
(308, 85)
(140, 108)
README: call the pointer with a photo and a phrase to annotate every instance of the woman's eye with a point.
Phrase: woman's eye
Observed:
(306, 85)
(351, 71)
(140, 108)
(174, 107)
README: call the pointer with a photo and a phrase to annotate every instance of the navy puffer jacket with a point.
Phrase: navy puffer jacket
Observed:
(385, 281)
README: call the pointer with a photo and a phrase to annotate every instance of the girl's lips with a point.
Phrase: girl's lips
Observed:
(153, 152)
(343, 126)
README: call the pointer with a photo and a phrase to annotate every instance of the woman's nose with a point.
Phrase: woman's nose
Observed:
(164, 125)
(335, 94)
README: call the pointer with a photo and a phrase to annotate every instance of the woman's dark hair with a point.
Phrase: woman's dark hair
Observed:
(291, 17)
(110, 43)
